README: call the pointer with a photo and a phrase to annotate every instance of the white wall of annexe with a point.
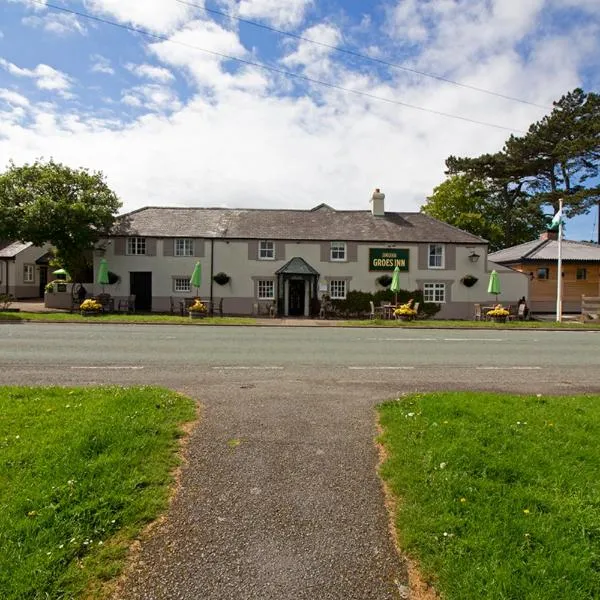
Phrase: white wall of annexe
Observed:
(239, 260)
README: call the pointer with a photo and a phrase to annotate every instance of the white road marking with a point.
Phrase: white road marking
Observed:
(508, 368)
(381, 368)
(473, 340)
(110, 367)
(223, 368)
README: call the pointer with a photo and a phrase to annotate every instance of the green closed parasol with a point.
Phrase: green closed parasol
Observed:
(395, 285)
(103, 273)
(196, 278)
(494, 284)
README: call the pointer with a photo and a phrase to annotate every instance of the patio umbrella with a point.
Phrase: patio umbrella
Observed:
(103, 273)
(395, 285)
(61, 272)
(196, 278)
(494, 284)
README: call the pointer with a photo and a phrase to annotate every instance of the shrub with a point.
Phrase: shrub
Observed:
(6, 300)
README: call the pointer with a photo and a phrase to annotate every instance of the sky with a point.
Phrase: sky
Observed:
(173, 109)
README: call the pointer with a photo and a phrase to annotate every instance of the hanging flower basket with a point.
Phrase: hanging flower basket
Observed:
(221, 278)
(469, 280)
(384, 280)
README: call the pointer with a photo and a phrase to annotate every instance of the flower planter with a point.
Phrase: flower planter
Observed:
(499, 319)
(196, 314)
(89, 313)
(405, 317)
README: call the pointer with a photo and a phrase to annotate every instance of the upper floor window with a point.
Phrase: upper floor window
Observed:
(266, 250)
(184, 247)
(581, 274)
(28, 273)
(136, 245)
(436, 256)
(543, 273)
(338, 251)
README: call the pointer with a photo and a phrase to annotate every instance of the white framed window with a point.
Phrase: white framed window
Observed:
(28, 273)
(266, 289)
(184, 247)
(266, 250)
(136, 245)
(337, 251)
(436, 256)
(337, 289)
(182, 284)
(434, 292)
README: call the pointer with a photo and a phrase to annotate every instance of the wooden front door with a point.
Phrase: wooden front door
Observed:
(296, 301)
(140, 285)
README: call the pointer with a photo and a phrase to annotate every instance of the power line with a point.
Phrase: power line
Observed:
(265, 67)
(359, 55)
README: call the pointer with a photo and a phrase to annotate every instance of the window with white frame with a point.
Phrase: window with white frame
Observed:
(338, 251)
(136, 245)
(436, 256)
(266, 289)
(28, 273)
(337, 289)
(181, 284)
(434, 292)
(266, 250)
(184, 247)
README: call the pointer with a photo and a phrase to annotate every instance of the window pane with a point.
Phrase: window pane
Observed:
(182, 284)
(581, 274)
(338, 251)
(434, 292)
(136, 245)
(266, 290)
(266, 249)
(184, 247)
(337, 289)
(436, 256)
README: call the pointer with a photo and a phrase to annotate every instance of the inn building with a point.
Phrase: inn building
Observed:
(254, 259)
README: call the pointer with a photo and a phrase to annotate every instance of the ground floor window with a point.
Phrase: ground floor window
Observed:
(28, 273)
(581, 274)
(337, 289)
(181, 284)
(266, 289)
(434, 292)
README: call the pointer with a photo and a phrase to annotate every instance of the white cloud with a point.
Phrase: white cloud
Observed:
(313, 56)
(30, 4)
(156, 15)
(13, 98)
(282, 13)
(150, 72)
(153, 97)
(46, 77)
(101, 64)
(58, 23)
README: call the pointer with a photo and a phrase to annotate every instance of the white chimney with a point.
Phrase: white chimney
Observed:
(377, 203)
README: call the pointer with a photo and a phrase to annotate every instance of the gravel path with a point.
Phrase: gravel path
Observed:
(279, 499)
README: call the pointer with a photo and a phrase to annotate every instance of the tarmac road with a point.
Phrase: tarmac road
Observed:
(279, 496)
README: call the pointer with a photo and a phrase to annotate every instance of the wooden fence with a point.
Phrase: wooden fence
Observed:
(590, 307)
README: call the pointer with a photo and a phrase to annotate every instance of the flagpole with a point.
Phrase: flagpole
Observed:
(559, 274)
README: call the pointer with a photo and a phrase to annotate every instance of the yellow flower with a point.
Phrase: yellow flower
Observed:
(526, 511)
(463, 499)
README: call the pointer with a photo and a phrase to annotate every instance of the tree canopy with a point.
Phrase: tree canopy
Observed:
(501, 196)
(52, 203)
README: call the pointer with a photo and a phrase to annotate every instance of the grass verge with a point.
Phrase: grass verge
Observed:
(498, 496)
(82, 471)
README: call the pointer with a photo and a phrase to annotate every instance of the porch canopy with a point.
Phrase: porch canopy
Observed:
(296, 287)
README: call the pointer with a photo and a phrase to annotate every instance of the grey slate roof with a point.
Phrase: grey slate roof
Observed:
(547, 250)
(324, 223)
(297, 266)
(11, 249)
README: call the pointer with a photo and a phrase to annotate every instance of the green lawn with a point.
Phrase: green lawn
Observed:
(498, 496)
(67, 317)
(82, 471)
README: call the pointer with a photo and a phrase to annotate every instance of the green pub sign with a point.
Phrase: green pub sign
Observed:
(387, 259)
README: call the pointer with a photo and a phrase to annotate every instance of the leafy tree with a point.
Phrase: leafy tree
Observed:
(560, 155)
(50, 202)
(502, 195)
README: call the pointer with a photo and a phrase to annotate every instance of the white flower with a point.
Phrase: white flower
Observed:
(442, 465)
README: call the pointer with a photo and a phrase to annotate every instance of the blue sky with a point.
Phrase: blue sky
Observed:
(172, 124)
